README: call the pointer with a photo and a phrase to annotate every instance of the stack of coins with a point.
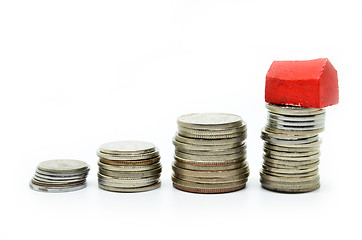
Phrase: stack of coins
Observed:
(210, 153)
(291, 148)
(60, 176)
(129, 166)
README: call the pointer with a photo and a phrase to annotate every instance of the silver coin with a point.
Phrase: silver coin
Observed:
(123, 157)
(210, 121)
(286, 136)
(237, 150)
(209, 142)
(301, 165)
(293, 110)
(295, 159)
(127, 147)
(221, 158)
(49, 180)
(278, 174)
(129, 168)
(308, 118)
(290, 149)
(290, 178)
(128, 174)
(211, 174)
(300, 141)
(192, 147)
(293, 131)
(289, 170)
(290, 163)
(127, 180)
(294, 128)
(208, 185)
(205, 162)
(211, 137)
(130, 190)
(127, 184)
(291, 185)
(281, 154)
(231, 179)
(41, 188)
(296, 124)
(63, 166)
(193, 167)
(62, 174)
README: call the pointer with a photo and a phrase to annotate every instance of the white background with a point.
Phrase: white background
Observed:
(75, 74)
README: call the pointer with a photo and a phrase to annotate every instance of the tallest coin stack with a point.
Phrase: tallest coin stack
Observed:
(210, 153)
(296, 93)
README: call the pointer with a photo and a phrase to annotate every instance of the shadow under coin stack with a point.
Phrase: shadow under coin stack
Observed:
(63, 175)
(291, 148)
(210, 153)
(129, 166)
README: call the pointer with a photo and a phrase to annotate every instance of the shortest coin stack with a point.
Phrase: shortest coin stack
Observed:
(129, 166)
(62, 175)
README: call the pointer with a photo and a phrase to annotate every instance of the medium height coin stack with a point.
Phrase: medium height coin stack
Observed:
(129, 166)
(291, 148)
(210, 153)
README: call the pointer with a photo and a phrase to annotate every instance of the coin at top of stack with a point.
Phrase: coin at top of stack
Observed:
(210, 153)
(291, 148)
(129, 166)
(63, 175)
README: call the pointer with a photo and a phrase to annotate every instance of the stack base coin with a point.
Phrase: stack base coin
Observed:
(129, 166)
(63, 175)
(210, 153)
(291, 149)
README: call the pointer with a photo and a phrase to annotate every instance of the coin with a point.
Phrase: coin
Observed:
(187, 166)
(120, 157)
(130, 190)
(210, 142)
(131, 163)
(130, 168)
(41, 188)
(209, 121)
(127, 147)
(129, 174)
(211, 174)
(63, 166)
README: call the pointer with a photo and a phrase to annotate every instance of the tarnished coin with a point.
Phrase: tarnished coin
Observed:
(210, 142)
(63, 166)
(210, 121)
(128, 174)
(290, 149)
(221, 162)
(123, 157)
(284, 158)
(280, 154)
(41, 188)
(211, 174)
(130, 190)
(129, 168)
(215, 148)
(130, 163)
(236, 150)
(127, 147)
(230, 179)
(194, 167)
(208, 188)
(222, 158)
